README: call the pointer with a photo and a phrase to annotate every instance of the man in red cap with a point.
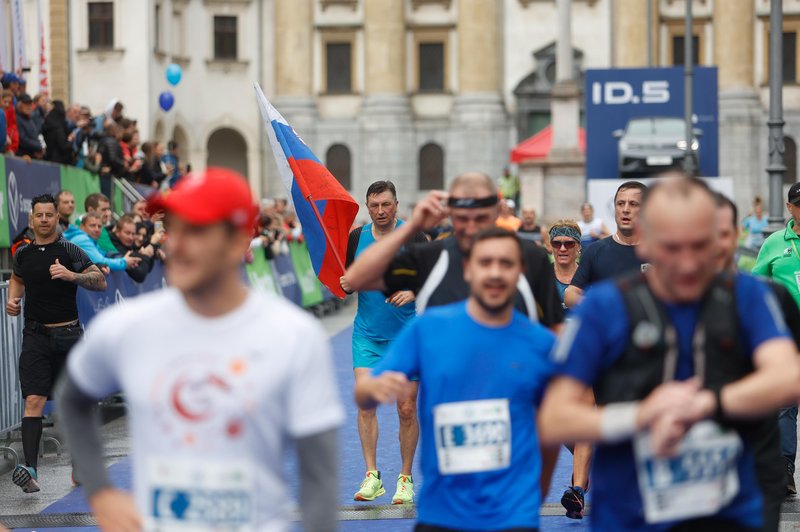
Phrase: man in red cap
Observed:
(222, 377)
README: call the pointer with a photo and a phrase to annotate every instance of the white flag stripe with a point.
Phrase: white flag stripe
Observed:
(269, 113)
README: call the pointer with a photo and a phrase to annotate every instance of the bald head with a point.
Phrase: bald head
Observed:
(679, 238)
(473, 185)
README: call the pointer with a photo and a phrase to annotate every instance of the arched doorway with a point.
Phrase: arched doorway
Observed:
(790, 160)
(338, 161)
(227, 148)
(179, 136)
(159, 133)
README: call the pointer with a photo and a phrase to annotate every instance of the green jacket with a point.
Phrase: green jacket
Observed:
(104, 242)
(779, 259)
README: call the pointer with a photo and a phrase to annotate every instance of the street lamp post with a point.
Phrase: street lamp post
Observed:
(776, 169)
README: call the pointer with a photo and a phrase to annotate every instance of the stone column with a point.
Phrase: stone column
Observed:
(482, 127)
(630, 33)
(59, 51)
(741, 116)
(565, 106)
(386, 118)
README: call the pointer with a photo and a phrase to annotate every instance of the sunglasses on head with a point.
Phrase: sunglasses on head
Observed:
(567, 244)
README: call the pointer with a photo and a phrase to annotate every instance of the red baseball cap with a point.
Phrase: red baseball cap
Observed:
(208, 197)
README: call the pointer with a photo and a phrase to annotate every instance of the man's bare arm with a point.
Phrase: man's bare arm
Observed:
(16, 291)
(91, 279)
(573, 296)
(366, 272)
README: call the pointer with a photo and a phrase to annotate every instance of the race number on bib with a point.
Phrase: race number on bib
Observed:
(699, 481)
(472, 436)
(200, 496)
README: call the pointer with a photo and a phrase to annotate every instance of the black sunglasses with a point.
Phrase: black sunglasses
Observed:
(568, 244)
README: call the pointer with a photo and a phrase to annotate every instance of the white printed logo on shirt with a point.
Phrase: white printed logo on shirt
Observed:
(472, 436)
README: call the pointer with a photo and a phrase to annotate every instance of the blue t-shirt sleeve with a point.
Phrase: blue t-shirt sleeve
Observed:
(595, 335)
(759, 312)
(403, 354)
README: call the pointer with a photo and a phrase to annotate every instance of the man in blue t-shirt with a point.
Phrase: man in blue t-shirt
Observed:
(675, 388)
(378, 320)
(477, 401)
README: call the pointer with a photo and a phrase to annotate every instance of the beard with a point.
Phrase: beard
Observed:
(494, 309)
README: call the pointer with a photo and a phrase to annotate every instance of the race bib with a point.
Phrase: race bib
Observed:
(200, 496)
(699, 481)
(472, 436)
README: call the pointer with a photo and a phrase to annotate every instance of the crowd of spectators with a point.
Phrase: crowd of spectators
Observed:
(108, 144)
(277, 226)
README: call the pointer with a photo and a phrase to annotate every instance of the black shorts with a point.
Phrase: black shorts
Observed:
(44, 353)
(431, 528)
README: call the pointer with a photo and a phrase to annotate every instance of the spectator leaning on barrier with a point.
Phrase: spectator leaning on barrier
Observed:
(46, 272)
(65, 200)
(87, 237)
(28, 131)
(123, 238)
(99, 203)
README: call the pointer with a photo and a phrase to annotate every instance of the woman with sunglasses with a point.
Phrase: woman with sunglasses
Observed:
(565, 239)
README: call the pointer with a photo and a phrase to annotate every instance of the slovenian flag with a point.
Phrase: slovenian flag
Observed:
(325, 209)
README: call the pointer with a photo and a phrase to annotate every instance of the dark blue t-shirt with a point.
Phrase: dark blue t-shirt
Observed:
(596, 337)
(464, 366)
(603, 260)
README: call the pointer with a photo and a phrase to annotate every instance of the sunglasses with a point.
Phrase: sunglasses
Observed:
(566, 244)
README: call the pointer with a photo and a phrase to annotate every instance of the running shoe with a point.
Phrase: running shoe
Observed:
(371, 487)
(75, 481)
(572, 500)
(25, 478)
(405, 490)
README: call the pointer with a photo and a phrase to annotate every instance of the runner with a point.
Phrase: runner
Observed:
(480, 453)
(378, 320)
(679, 358)
(613, 255)
(434, 271)
(565, 239)
(222, 379)
(770, 467)
(47, 273)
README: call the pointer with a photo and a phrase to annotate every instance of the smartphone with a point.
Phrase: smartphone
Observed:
(159, 226)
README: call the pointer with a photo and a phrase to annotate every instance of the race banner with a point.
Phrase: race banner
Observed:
(18, 36)
(260, 273)
(119, 288)
(6, 65)
(24, 181)
(286, 278)
(81, 183)
(310, 291)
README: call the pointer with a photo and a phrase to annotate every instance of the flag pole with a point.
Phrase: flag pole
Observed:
(325, 231)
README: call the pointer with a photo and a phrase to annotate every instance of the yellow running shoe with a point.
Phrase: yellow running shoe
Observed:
(371, 487)
(405, 490)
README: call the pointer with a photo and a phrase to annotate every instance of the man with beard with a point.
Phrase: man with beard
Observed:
(480, 452)
(66, 208)
(123, 237)
(378, 320)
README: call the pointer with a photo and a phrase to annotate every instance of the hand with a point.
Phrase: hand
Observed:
(666, 435)
(675, 397)
(157, 217)
(105, 270)
(161, 255)
(59, 271)
(345, 285)
(430, 211)
(131, 261)
(401, 297)
(157, 237)
(147, 251)
(98, 158)
(71, 137)
(115, 511)
(14, 306)
(389, 386)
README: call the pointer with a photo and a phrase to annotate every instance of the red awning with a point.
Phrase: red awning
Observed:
(538, 146)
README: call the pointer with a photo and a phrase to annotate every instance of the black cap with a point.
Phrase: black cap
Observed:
(794, 194)
(24, 98)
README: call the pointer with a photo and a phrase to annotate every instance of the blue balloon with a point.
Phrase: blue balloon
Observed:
(166, 100)
(174, 74)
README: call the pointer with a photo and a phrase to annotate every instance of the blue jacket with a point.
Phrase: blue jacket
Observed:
(85, 242)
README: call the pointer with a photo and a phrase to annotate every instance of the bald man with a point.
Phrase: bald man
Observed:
(434, 271)
(681, 358)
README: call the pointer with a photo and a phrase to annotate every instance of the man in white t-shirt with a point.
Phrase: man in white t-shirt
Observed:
(222, 379)
(592, 229)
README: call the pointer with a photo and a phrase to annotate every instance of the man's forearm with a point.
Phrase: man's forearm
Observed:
(81, 428)
(319, 485)
(573, 296)
(93, 280)
(366, 273)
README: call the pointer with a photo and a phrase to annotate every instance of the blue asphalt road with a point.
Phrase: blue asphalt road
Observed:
(352, 468)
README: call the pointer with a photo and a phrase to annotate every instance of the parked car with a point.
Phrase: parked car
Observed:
(652, 144)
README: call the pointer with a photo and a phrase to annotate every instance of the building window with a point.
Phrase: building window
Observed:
(338, 67)
(431, 67)
(101, 25)
(790, 57)
(225, 37)
(790, 160)
(157, 28)
(537, 121)
(678, 43)
(431, 167)
(337, 160)
(791, 54)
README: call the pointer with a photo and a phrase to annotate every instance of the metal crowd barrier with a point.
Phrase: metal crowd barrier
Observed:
(11, 405)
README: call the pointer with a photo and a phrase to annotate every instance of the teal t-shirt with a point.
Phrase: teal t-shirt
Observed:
(376, 319)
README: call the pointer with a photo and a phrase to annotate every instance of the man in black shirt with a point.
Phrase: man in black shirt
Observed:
(47, 273)
(434, 271)
(614, 255)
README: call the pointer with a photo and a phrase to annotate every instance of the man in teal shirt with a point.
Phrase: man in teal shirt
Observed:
(378, 321)
(779, 259)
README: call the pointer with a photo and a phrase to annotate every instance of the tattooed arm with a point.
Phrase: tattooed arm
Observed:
(91, 278)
